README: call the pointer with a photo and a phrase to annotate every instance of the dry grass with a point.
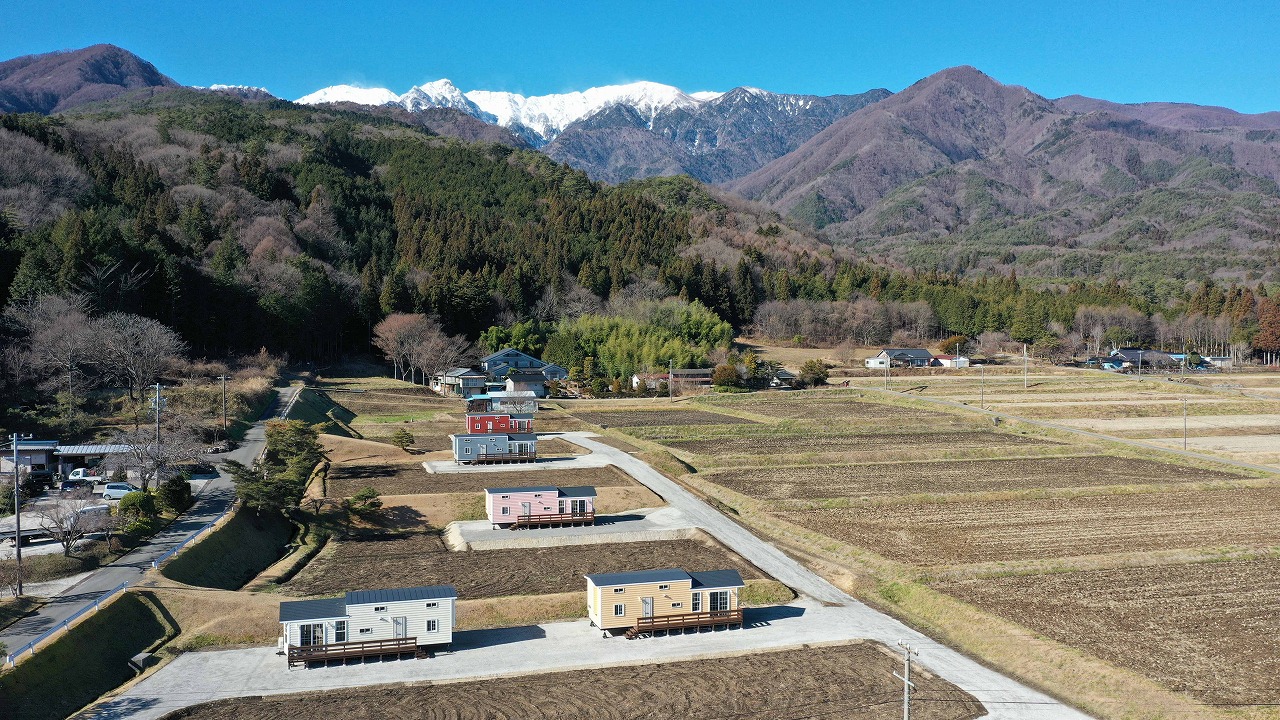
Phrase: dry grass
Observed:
(519, 611)
(660, 418)
(221, 618)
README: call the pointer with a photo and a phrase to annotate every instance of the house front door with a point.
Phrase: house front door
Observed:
(400, 627)
(646, 607)
(526, 509)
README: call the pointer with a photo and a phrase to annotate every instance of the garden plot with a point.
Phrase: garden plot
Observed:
(931, 534)
(847, 681)
(796, 444)
(347, 480)
(423, 559)
(660, 418)
(1208, 629)
(957, 476)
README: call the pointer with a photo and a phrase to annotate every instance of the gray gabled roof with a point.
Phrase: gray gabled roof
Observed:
(914, 353)
(463, 372)
(638, 577)
(37, 444)
(717, 579)
(296, 610)
(526, 377)
(504, 351)
(522, 437)
(426, 592)
(580, 491)
(93, 449)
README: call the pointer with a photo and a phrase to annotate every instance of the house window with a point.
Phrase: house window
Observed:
(676, 605)
(431, 605)
(537, 494)
(433, 626)
(506, 497)
(506, 510)
(366, 631)
(718, 600)
(618, 590)
(664, 587)
(619, 610)
(311, 634)
(696, 605)
(467, 451)
(379, 608)
(490, 424)
(340, 631)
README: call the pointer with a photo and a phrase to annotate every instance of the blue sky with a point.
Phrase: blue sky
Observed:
(1221, 53)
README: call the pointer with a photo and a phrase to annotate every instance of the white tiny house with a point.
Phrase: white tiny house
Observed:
(368, 623)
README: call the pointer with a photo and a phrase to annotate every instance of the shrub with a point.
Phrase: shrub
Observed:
(725, 376)
(813, 372)
(137, 506)
(174, 494)
(402, 439)
(365, 501)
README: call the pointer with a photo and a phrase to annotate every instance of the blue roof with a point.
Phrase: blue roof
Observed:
(580, 491)
(298, 610)
(717, 579)
(639, 577)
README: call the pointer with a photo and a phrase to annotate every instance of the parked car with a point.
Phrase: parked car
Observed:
(72, 485)
(115, 491)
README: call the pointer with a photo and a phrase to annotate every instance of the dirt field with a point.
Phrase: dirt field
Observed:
(955, 476)
(422, 559)
(779, 444)
(1208, 629)
(411, 512)
(346, 480)
(660, 418)
(813, 405)
(849, 681)
(1011, 530)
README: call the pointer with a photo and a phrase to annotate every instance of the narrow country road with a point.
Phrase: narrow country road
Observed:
(213, 499)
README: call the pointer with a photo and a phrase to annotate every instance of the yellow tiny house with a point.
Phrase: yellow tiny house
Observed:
(651, 600)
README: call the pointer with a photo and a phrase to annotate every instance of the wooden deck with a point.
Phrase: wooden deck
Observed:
(500, 458)
(686, 621)
(578, 518)
(351, 650)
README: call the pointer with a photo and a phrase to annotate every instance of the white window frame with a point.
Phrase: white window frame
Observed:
(366, 631)
(433, 626)
(379, 608)
(664, 586)
(714, 598)
(618, 590)
(506, 510)
(432, 604)
(619, 610)
(677, 605)
(340, 631)
(696, 604)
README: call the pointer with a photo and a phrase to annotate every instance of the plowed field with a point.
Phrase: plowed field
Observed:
(346, 480)
(848, 681)
(1208, 629)
(411, 560)
(784, 445)
(805, 407)
(969, 532)
(660, 418)
(957, 476)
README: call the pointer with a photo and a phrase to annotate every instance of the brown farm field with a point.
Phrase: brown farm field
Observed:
(869, 442)
(1208, 629)
(947, 533)
(423, 559)
(846, 681)
(347, 480)
(808, 482)
(659, 418)
(820, 404)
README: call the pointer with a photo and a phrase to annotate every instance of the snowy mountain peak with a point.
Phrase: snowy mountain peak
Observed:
(351, 94)
(442, 94)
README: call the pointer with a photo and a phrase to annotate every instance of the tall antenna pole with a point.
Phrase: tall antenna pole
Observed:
(887, 362)
(1140, 365)
(159, 401)
(907, 685)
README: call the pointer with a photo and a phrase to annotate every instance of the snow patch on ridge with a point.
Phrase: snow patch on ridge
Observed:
(349, 93)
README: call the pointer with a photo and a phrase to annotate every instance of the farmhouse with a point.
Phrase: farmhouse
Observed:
(505, 360)
(1132, 357)
(900, 357)
(368, 623)
(533, 382)
(495, 447)
(649, 381)
(532, 506)
(555, 372)
(459, 382)
(651, 600)
(692, 376)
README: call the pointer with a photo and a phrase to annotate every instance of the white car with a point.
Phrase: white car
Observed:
(115, 491)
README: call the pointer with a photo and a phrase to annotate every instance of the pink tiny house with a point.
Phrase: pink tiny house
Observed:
(499, 422)
(540, 506)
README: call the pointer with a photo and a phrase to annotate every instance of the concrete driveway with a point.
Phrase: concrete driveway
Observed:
(642, 525)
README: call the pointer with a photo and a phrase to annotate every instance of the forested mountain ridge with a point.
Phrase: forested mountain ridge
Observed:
(961, 173)
(55, 82)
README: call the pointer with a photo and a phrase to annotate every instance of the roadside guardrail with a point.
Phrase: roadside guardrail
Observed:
(12, 658)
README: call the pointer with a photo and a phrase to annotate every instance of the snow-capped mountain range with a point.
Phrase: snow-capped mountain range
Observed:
(539, 118)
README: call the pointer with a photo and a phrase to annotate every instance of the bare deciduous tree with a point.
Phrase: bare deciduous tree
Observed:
(70, 519)
(419, 343)
(134, 350)
(179, 442)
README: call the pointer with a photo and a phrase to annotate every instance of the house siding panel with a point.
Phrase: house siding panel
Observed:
(601, 600)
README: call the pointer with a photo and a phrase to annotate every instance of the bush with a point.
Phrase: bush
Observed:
(726, 376)
(174, 494)
(365, 501)
(138, 505)
(402, 439)
(813, 372)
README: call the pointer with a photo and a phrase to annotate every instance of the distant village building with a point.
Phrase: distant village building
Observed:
(534, 382)
(649, 601)
(692, 376)
(459, 382)
(534, 506)
(649, 381)
(368, 623)
(554, 372)
(900, 357)
(951, 361)
(1132, 357)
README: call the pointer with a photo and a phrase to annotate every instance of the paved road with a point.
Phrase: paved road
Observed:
(216, 496)
(828, 614)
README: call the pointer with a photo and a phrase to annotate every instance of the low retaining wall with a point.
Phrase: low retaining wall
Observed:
(454, 539)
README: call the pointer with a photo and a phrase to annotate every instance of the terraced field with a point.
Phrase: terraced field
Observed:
(955, 476)
(812, 405)
(423, 559)
(1208, 629)
(794, 444)
(931, 534)
(659, 418)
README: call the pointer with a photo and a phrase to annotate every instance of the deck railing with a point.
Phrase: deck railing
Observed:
(506, 457)
(569, 518)
(348, 650)
(686, 620)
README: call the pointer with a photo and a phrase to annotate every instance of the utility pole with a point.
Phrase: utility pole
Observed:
(223, 378)
(982, 388)
(1184, 423)
(907, 685)
(1185, 360)
(17, 507)
(671, 380)
(1140, 365)
(159, 406)
(887, 363)
(1024, 366)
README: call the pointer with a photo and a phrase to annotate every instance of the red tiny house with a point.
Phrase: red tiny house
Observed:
(498, 422)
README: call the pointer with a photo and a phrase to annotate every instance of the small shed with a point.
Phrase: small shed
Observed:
(517, 507)
(368, 623)
(649, 601)
(36, 456)
(649, 381)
